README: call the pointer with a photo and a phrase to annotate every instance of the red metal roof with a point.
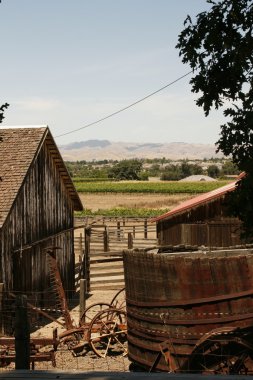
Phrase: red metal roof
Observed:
(200, 199)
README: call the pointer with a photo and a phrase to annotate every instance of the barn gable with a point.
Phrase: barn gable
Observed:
(37, 200)
(19, 147)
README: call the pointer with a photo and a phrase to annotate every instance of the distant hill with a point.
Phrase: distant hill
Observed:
(88, 144)
(103, 149)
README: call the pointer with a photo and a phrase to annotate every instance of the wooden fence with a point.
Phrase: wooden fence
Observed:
(101, 243)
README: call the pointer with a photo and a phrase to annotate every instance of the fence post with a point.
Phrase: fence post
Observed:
(1, 307)
(134, 232)
(130, 240)
(22, 334)
(145, 229)
(106, 240)
(86, 259)
(81, 244)
(82, 297)
(118, 230)
(208, 236)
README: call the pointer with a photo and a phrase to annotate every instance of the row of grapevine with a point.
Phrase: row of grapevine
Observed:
(170, 187)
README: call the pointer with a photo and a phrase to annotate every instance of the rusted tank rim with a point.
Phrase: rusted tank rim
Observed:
(162, 334)
(193, 301)
(133, 326)
(160, 338)
(180, 321)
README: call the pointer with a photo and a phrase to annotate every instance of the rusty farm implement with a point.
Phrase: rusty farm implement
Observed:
(101, 328)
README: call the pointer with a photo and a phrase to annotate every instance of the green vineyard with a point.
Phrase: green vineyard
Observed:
(171, 187)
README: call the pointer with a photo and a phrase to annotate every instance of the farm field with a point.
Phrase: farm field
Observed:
(140, 196)
(166, 187)
(100, 201)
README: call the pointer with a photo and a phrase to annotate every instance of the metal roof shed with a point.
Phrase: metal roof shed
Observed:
(202, 220)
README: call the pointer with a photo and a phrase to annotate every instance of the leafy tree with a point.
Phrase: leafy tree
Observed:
(186, 169)
(190, 169)
(126, 170)
(177, 172)
(196, 169)
(229, 168)
(85, 170)
(218, 45)
(144, 176)
(213, 171)
(172, 173)
(2, 108)
(154, 170)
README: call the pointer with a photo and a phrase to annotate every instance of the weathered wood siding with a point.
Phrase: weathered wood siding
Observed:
(42, 208)
(204, 225)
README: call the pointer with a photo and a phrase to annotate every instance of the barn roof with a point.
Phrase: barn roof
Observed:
(197, 201)
(19, 147)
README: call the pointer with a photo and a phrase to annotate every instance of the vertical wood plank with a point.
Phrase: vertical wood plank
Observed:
(118, 230)
(1, 307)
(106, 240)
(80, 244)
(130, 240)
(86, 261)
(145, 229)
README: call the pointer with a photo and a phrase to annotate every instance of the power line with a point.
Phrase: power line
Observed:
(127, 107)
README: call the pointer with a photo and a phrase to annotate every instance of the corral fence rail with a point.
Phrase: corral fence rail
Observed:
(101, 242)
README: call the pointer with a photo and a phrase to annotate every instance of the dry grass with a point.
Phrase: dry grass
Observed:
(100, 201)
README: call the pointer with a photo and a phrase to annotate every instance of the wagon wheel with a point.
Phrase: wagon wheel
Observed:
(74, 340)
(107, 333)
(119, 300)
(222, 353)
(91, 311)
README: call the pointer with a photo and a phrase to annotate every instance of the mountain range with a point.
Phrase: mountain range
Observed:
(104, 149)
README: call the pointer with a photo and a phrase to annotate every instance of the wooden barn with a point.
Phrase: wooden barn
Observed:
(200, 221)
(37, 201)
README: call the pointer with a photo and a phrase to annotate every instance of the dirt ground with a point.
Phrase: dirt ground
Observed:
(97, 201)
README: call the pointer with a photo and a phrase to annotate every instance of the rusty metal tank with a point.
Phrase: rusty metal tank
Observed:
(183, 299)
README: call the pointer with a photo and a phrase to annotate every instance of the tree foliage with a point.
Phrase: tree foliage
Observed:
(213, 171)
(218, 45)
(2, 108)
(87, 169)
(126, 170)
(176, 172)
(229, 168)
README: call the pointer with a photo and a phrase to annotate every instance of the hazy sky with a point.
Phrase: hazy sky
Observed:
(68, 63)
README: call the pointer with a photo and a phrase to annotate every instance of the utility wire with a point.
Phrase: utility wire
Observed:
(127, 107)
